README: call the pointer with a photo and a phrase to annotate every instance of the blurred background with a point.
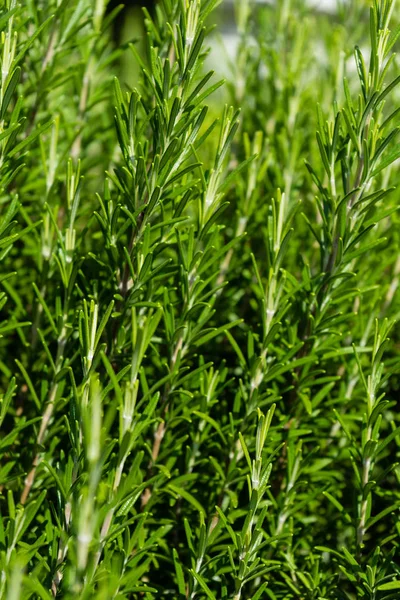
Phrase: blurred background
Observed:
(129, 25)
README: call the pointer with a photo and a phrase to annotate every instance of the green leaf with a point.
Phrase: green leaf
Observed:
(202, 339)
(13, 82)
(203, 584)
(387, 511)
(179, 573)
(29, 384)
(179, 491)
(391, 585)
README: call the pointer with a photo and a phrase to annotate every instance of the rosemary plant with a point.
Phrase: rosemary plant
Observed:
(199, 293)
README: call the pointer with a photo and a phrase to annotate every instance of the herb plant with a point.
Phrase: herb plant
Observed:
(199, 293)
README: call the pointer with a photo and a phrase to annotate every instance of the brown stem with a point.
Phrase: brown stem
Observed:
(160, 431)
(62, 546)
(158, 437)
(47, 59)
(39, 440)
(47, 415)
(76, 147)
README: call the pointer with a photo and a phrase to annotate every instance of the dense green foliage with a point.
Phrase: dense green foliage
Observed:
(198, 354)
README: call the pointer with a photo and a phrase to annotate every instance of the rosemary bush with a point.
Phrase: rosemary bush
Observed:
(199, 354)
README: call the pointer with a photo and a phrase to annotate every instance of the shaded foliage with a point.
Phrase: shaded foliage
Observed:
(199, 349)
